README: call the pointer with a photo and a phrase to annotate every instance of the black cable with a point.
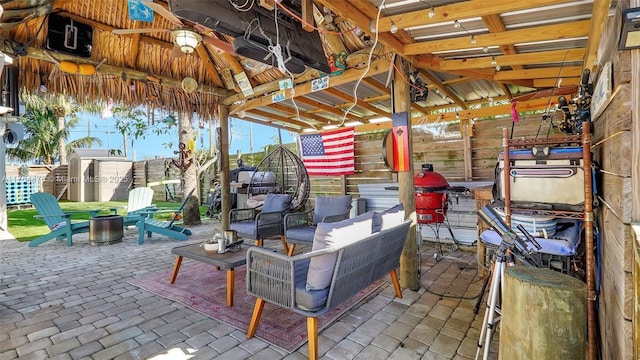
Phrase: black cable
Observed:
(428, 289)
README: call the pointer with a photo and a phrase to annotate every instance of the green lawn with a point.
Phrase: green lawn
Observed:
(24, 226)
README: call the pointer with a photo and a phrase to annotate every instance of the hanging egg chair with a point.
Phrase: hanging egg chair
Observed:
(282, 172)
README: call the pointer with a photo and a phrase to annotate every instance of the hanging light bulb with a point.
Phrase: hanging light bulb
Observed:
(372, 27)
(498, 67)
(393, 29)
(432, 12)
(457, 116)
(493, 61)
(473, 39)
(456, 24)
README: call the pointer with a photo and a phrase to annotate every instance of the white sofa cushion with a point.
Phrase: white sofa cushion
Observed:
(334, 236)
(389, 218)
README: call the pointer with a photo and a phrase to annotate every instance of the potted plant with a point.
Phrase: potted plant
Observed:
(211, 244)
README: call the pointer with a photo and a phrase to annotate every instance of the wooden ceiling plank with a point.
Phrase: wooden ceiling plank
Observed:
(554, 72)
(459, 11)
(540, 33)
(377, 67)
(542, 57)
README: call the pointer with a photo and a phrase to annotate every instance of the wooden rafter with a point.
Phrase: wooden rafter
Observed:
(377, 67)
(539, 33)
(458, 11)
(291, 113)
(545, 57)
(443, 89)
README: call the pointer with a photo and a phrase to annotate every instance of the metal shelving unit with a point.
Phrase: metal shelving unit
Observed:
(583, 140)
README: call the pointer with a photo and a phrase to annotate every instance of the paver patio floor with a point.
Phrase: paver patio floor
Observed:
(59, 302)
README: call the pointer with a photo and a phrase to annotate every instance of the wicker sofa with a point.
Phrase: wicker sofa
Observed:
(315, 282)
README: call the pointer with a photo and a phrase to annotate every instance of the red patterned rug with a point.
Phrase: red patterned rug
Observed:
(202, 288)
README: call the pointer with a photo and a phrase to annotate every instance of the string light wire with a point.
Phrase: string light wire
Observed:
(364, 73)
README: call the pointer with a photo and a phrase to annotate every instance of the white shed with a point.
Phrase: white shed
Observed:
(98, 175)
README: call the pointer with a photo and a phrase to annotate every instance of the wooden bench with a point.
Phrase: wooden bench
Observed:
(281, 279)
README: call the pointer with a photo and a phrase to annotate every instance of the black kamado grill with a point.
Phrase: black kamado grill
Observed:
(432, 202)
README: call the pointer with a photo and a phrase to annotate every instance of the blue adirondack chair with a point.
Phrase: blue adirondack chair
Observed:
(139, 199)
(58, 221)
(148, 224)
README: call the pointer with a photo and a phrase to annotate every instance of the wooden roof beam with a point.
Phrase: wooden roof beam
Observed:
(268, 115)
(521, 106)
(291, 113)
(495, 25)
(458, 11)
(554, 72)
(207, 62)
(598, 17)
(362, 21)
(539, 33)
(443, 89)
(543, 57)
(270, 123)
(359, 102)
(377, 67)
(329, 109)
(117, 71)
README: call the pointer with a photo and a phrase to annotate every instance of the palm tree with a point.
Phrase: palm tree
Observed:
(42, 137)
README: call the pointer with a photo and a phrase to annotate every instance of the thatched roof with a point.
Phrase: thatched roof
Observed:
(519, 48)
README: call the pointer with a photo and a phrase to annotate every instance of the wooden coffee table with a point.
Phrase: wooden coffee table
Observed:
(229, 260)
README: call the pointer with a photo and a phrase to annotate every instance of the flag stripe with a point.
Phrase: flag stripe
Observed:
(329, 153)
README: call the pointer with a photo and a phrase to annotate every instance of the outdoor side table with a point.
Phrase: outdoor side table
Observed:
(105, 230)
(229, 260)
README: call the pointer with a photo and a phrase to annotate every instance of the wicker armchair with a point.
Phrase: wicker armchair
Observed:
(299, 227)
(264, 222)
(282, 280)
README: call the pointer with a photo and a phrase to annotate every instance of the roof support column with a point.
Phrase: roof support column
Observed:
(402, 104)
(223, 154)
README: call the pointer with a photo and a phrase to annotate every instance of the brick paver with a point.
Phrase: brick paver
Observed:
(59, 302)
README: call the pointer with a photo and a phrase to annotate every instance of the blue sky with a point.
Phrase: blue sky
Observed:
(244, 136)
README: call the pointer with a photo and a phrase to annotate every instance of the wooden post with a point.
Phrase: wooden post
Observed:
(465, 129)
(225, 186)
(409, 259)
(542, 315)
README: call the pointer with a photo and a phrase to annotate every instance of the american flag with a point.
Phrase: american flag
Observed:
(328, 153)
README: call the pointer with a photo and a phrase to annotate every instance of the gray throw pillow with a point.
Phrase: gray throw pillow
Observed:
(330, 205)
(276, 202)
(389, 218)
(334, 236)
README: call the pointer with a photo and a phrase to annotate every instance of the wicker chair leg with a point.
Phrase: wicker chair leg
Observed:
(292, 248)
(312, 334)
(284, 245)
(396, 283)
(255, 318)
